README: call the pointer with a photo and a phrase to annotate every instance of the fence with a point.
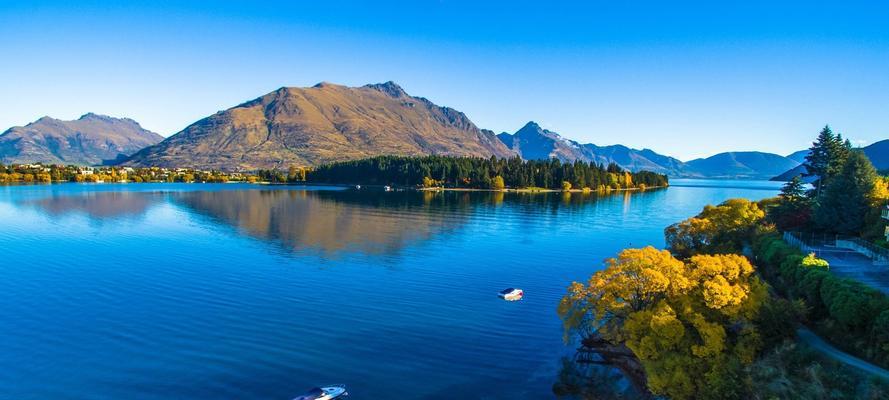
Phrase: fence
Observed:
(836, 245)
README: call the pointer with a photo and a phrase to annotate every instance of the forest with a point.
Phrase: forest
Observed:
(483, 173)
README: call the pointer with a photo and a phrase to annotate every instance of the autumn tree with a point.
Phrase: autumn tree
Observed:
(717, 229)
(874, 224)
(497, 183)
(689, 324)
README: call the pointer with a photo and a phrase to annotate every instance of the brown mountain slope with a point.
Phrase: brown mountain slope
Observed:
(89, 140)
(321, 124)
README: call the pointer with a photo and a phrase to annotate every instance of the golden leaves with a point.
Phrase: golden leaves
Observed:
(680, 319)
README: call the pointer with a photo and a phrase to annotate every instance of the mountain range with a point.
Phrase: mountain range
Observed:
(92, 139)
(534, 142)
(327, 122)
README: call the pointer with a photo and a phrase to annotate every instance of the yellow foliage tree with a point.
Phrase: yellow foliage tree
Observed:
(687, 323)
(497, 183)
(717, 229)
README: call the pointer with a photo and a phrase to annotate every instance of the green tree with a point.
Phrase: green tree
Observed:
(793, 209)
(793, 191)
(847, 199)
(566, 186)
(826, 158)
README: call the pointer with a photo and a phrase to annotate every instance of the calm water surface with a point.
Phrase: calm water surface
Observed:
(160, 291)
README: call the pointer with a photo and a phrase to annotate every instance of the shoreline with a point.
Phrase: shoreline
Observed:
(536, 190)
(349, 185)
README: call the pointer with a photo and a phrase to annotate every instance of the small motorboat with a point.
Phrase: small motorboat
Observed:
(324, 393)
(387, 188)
(511, 294)
(357, 187)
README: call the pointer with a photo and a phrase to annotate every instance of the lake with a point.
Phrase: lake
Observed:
(199, 291)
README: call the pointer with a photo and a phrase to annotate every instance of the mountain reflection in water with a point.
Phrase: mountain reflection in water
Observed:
(97, 205)
(325, 221)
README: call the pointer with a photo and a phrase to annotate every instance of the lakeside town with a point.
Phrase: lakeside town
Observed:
(52, 173)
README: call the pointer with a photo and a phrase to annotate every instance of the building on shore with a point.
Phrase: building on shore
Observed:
(885, 214)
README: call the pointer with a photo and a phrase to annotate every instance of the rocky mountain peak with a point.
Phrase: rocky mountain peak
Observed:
(390, 88)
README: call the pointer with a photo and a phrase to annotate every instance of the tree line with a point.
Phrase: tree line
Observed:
(483, 173)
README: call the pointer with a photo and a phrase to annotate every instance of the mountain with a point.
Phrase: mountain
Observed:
(741, 165)
(799, 156)
(635, 160)
(92, 139)
(535, 143)
(532, 142)
(789, 174)
(322, 124)
(877, 152)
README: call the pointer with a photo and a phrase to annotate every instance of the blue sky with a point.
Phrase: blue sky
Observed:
(684, 79)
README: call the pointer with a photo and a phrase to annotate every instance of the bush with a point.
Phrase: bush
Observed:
(852, 315)
(777, 320)
(812, 261)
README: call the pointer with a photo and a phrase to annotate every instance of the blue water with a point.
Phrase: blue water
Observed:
(200, 291)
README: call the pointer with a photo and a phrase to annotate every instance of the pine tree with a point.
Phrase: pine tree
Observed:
(793, 191)
(846, 199)
(794, 209)
(819, 157)
(826, 158)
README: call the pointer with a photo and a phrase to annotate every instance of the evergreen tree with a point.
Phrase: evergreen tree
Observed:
(826, 158)
(793, 191)
(845, 200)
(794, 209)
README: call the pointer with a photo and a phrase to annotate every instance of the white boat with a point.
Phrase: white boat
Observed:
(388, 188)
(324, 393)
(511, 294)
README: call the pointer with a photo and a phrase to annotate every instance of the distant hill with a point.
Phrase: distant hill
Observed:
(799, 156)
(532, 142)
(322, 124)
(740, 165)
(877, 152)
(90, 140)
(789, 174)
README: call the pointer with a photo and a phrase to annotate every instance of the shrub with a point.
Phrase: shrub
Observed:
(814, 262)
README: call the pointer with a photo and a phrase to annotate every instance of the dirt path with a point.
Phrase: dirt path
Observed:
(817, 343)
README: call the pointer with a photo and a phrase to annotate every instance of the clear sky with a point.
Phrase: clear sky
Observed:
(687, 80)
